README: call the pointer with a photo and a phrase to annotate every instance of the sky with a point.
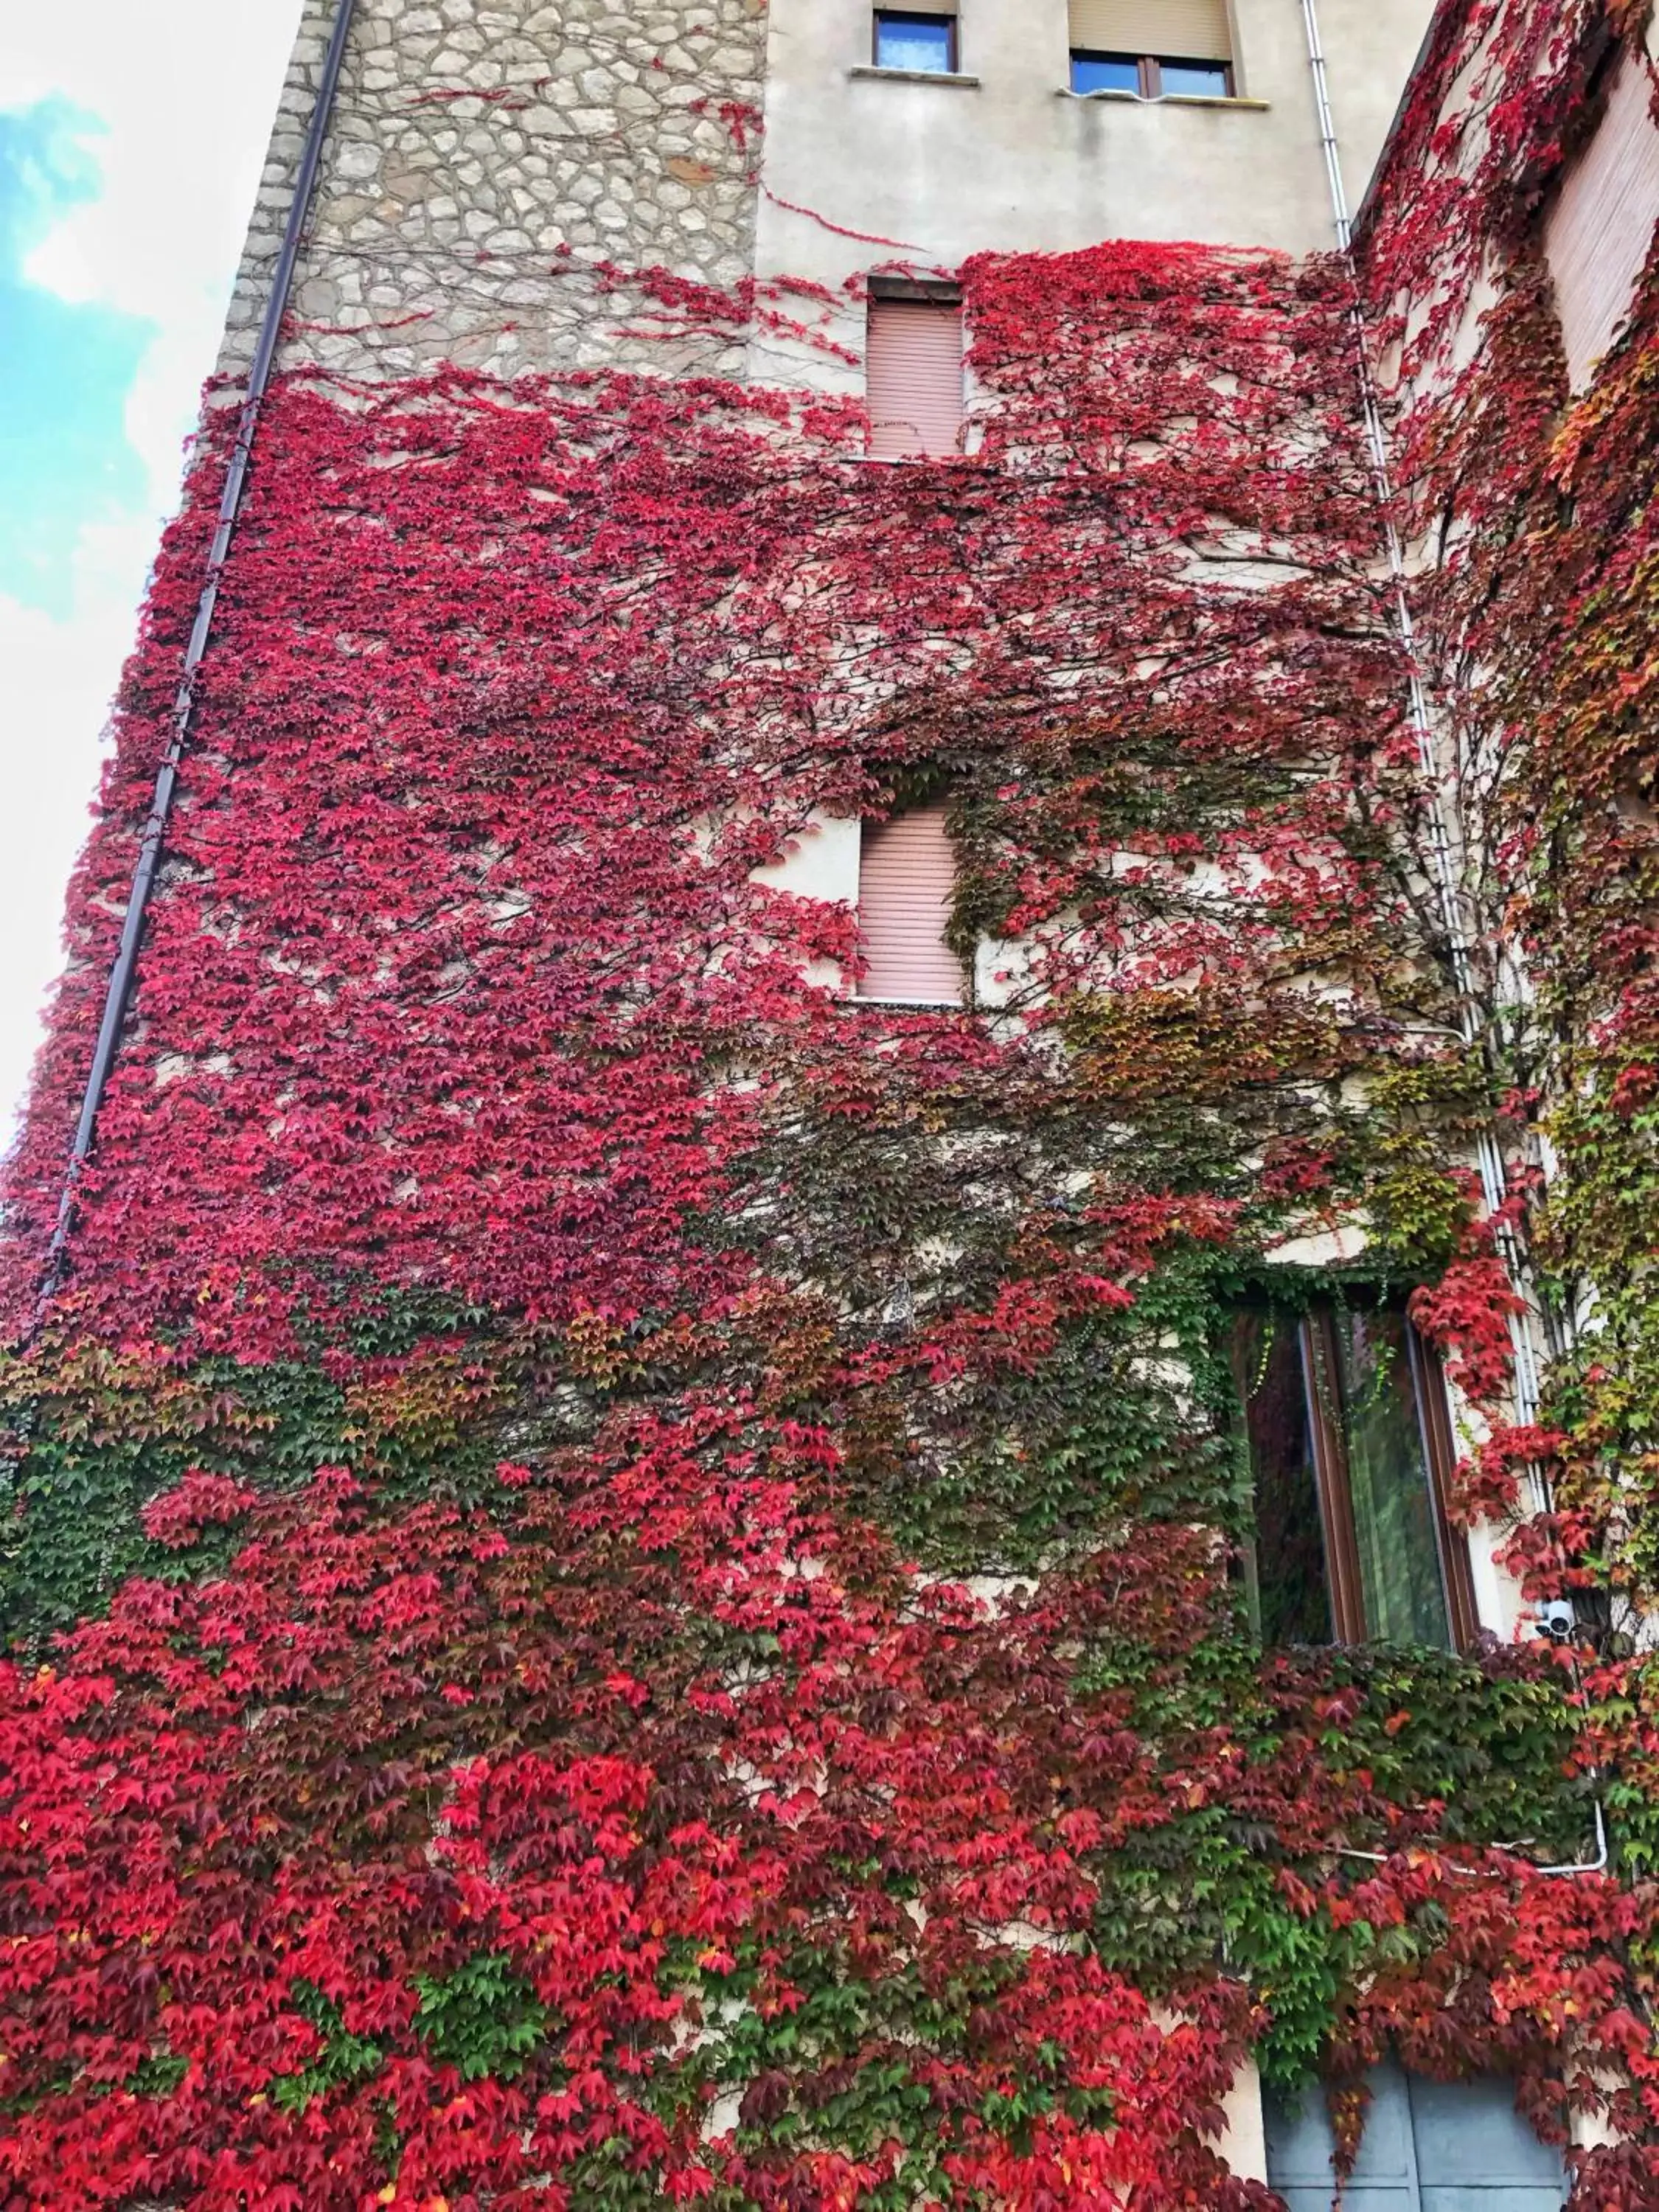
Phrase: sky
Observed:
(131, 137)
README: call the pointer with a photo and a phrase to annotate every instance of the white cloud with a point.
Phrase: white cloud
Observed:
(59, 678)
(185, 90)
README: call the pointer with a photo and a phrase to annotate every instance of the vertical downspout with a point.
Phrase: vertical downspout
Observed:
(120, 991)
(1493, 1178)
(1490, 1160)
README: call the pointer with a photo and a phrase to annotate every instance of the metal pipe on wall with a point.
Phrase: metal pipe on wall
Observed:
(119, 993)
(1494, 1181)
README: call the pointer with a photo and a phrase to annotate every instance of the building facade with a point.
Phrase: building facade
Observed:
(849, 1403)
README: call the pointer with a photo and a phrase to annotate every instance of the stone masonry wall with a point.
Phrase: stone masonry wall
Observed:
(483, 156)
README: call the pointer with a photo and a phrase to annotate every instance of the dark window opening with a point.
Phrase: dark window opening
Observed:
(1285, 1558)
(1351, 1451)
(1150, 77)
(926, 43)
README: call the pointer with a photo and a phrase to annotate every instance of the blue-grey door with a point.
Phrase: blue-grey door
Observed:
(1428, 2146)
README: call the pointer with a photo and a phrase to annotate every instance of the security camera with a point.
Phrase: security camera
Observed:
(1557, 1619)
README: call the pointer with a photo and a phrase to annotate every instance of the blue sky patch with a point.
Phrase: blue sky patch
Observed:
(66, 369)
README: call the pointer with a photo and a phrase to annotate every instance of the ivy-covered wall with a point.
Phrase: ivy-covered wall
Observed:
(617, 1567)
(1526, 508)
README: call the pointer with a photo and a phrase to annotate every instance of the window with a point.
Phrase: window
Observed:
(1155, 48)
(1203, 80)
(907, 875)
(904, 41)
(1150, 76)
(1350, 1450)
(1599, 228)
(1106, 73)
(1428, 2146)
(913, 375)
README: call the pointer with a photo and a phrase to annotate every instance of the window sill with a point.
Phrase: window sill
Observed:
(1170, 98)
(915, 77)
(911, 1006)
(910, 460)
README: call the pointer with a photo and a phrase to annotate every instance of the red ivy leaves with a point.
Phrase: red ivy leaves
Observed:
(461, 982)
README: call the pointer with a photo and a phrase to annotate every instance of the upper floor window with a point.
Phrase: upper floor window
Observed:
(1155, 48)
(1150, 77)
(907, 877)
(1106, 73)
(1427, 2146)
(906, 41)
(913, 372)
(1351, 1451)
(1599, 229)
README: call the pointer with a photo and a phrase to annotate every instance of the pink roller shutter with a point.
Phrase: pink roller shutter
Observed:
(1597, 234)
(912, 379)
(906, 877)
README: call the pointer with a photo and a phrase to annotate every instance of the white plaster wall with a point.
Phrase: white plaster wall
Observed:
(1498, 1603)
(1012, 162)
(1002, 969)
(1243, 2142)
(820, 862)
(1370, 49)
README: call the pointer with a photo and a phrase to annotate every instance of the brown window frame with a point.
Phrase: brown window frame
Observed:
(1320, 1364)
(1152, 67)
(1320, 1368)
(952, 37)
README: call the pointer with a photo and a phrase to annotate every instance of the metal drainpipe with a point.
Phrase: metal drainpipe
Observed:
(120, 992)
(1490, 1161)
(1493, 1178)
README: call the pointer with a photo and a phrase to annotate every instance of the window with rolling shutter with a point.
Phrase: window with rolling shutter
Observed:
(1152, 47)
(907, 875)
(1598, 232)
(912, 379)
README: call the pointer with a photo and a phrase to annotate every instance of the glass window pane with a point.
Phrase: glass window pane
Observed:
(1289, 1593)
(1394, 1512)
(1208, 79)
(914, 42)
(1105, 73)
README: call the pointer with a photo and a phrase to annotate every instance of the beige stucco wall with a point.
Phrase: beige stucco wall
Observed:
(1005, 158)
(1244, 2139)
(822, 862)
(485, 153)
